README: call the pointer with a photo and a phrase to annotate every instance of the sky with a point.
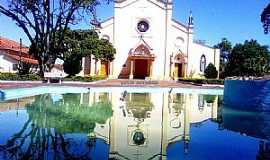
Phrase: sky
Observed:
(237, 20)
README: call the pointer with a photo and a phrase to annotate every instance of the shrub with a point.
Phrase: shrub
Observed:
(72, 66)
(211, 71)
(203, 81)
(85, 79)
(17, 77)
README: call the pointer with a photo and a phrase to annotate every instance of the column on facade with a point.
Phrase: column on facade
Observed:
(150, 69)
(93, 68)
(96, 67)
(131, 69)
(111, 69)
(185, 70)
(83, 66)
(172, 70)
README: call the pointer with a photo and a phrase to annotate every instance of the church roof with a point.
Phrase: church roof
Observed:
(179, 23)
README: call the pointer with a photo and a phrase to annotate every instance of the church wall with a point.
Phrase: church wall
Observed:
(194, 58)
(107, 30)
(165, 36)
(178, 40)
(127, 36)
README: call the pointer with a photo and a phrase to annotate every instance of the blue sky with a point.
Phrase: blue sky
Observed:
(237, 20)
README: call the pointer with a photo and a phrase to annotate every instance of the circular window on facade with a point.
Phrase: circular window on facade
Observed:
(143, 26)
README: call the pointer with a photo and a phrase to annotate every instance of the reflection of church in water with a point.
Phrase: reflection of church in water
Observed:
(144, 124)
(121, 125)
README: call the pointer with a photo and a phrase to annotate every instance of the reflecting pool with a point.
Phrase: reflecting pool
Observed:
(130, 126)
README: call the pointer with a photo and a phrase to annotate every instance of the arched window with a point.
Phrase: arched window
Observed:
(106, 37)
(202, 63)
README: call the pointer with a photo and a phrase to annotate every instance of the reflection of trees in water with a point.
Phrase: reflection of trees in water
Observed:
(139, 104)
(253, 124)
(264, 151)
(45, 135)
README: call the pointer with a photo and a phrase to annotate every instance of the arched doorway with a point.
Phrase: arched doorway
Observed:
(179, 66)
(104, 68)
(141, 69)
(141, 62)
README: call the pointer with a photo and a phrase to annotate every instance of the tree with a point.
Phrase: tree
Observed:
(248, 59)
(211, 71)
(82, 43)
(72, 65)
(265, 19)
(24, 68)
(225, 47)
(42, 19)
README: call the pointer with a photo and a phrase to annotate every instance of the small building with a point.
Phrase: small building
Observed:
(11, 53)
(150, 44)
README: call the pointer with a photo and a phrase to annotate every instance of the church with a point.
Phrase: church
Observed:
(150, 44)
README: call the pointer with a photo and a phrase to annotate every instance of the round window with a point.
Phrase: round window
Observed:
(143, 26)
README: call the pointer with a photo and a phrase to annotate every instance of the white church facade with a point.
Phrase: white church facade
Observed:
(150, 44)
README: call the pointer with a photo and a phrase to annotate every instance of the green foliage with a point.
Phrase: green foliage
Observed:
(225, 47)
(84, 79)
(24, 69)
(248, 59)
(203, 81)
(211, 71)
(17, 77)
(46, 26)
(34, 77)
(265, 19)
(82, 43)
(72, 65)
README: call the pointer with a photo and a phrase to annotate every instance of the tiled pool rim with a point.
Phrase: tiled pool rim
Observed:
(32, 91)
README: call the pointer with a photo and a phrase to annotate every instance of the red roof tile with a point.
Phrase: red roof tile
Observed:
(12, 45)
(12, 50)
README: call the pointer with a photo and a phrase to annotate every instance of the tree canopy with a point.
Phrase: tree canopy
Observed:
(82, 43)
(225, 47)
(42, 19)
(265, 19)
(248, 59)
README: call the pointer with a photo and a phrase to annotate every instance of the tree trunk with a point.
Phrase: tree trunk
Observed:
(41, 69)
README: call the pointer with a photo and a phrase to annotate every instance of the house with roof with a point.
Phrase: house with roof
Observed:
(150, 43)
(11, 53)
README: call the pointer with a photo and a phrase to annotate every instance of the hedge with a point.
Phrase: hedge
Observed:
(85, 79)
(203, 81)
(17, 77)
(34, 77)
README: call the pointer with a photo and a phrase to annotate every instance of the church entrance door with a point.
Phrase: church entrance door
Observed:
(141, 69)
(178, 70)
(104, 68)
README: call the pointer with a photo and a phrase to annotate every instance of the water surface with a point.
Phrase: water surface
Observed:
(135, 126)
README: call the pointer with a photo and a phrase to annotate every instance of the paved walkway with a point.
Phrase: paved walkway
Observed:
(107, 83)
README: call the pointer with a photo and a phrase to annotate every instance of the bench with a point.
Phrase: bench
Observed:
(53, 75)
